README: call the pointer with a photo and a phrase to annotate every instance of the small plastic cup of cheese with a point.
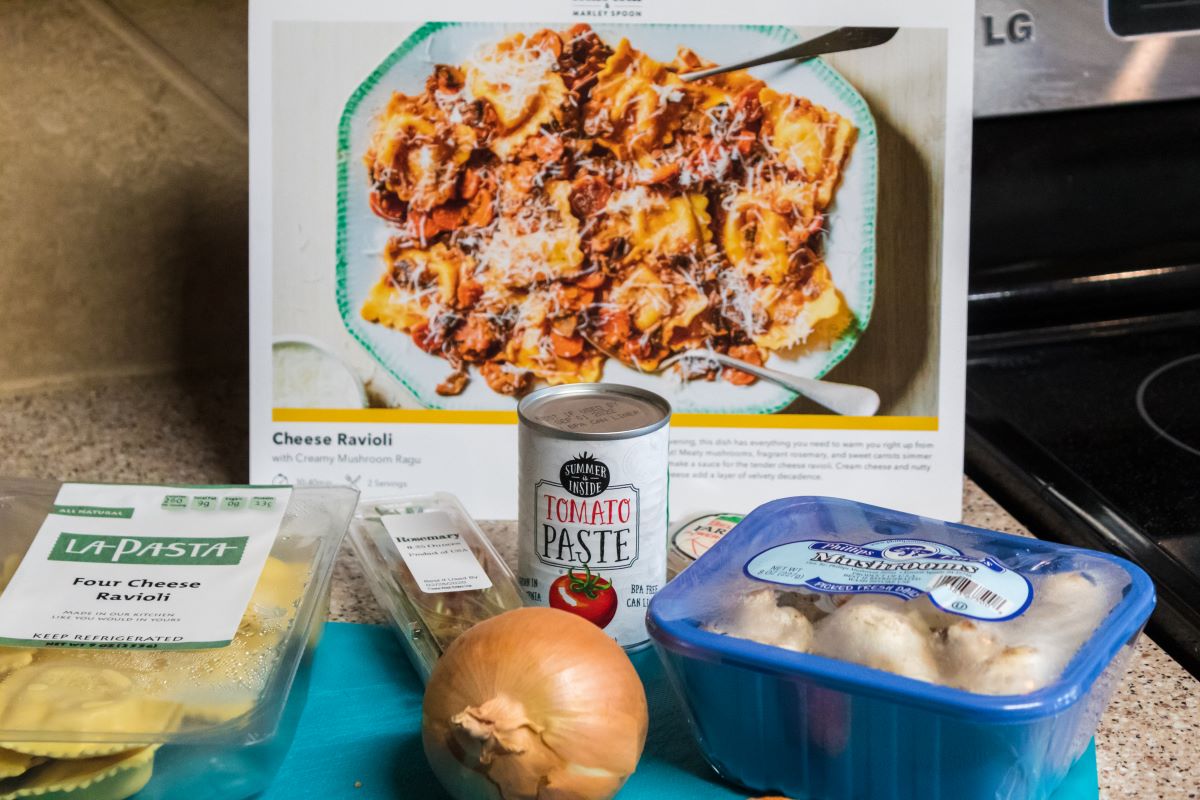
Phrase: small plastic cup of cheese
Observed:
(306, 374)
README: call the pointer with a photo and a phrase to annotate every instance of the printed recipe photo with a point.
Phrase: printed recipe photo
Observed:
(523, 205)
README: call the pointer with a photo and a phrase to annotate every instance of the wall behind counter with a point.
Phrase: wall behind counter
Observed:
(123, 169)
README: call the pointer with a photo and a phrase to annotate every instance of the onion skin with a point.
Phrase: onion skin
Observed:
(534, 704)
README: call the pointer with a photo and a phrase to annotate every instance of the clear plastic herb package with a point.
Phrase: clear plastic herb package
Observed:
(432, 570)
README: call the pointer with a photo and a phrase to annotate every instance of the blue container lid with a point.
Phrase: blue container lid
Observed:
(678, 612)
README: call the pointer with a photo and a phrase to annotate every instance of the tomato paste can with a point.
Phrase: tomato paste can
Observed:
(592, 527)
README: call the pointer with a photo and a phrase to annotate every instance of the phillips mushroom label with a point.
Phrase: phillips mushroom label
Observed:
(981, 588)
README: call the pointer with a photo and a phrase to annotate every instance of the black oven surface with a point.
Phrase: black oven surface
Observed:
(1119, 404)
(1141, 17)
(1083, 376)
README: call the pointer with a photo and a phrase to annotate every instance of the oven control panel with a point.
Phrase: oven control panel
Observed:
(1043, 55)
(1142, 17)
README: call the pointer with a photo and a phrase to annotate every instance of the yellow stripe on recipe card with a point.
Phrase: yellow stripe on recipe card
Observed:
(455, 417)
(425, 415)
(831, 422)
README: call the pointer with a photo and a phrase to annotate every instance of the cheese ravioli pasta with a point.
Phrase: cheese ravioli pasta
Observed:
(558, 200)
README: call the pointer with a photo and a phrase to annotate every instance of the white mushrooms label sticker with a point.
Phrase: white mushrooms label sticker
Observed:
(981, 588)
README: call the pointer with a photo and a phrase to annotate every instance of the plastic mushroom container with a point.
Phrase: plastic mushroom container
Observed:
(825, 648)
(135, 712)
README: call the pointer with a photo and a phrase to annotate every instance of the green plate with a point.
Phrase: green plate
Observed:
(849, 245)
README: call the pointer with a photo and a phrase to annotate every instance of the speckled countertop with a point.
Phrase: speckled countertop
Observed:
(194, 431)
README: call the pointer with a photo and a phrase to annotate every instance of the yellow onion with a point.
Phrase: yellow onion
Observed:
(535, 703)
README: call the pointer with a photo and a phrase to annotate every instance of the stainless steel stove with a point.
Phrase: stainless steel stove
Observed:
(1084, 352)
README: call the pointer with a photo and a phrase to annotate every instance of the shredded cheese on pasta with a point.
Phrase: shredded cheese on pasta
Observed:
(558, 202)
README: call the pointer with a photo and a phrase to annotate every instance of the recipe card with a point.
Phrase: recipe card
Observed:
(454, 206)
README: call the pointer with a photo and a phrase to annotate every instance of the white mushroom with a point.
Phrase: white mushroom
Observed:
(804, 602)
(878, 632)
(1071, 598)
(1014, 670)
(967, 646)
(1066, 608)
(917, 639)
(830, 603)
(934, 617)
(759, 617)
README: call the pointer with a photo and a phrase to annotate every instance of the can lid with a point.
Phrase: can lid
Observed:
(594, 411)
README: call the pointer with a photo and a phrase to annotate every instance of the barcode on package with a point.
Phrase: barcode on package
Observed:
(971, 590)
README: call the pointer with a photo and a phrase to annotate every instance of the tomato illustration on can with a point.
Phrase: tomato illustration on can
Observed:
(587, 595)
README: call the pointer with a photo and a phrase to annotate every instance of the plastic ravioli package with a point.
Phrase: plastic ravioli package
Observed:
(153, 635)
(875, 612)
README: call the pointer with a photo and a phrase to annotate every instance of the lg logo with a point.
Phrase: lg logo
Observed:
(1017, 30)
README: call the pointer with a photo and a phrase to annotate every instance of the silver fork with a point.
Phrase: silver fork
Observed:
(835, 41)
(840, 398)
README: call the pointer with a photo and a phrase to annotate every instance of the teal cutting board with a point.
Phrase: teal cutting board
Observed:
(360, 738)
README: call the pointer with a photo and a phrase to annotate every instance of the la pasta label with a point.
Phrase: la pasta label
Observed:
(148, 567)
